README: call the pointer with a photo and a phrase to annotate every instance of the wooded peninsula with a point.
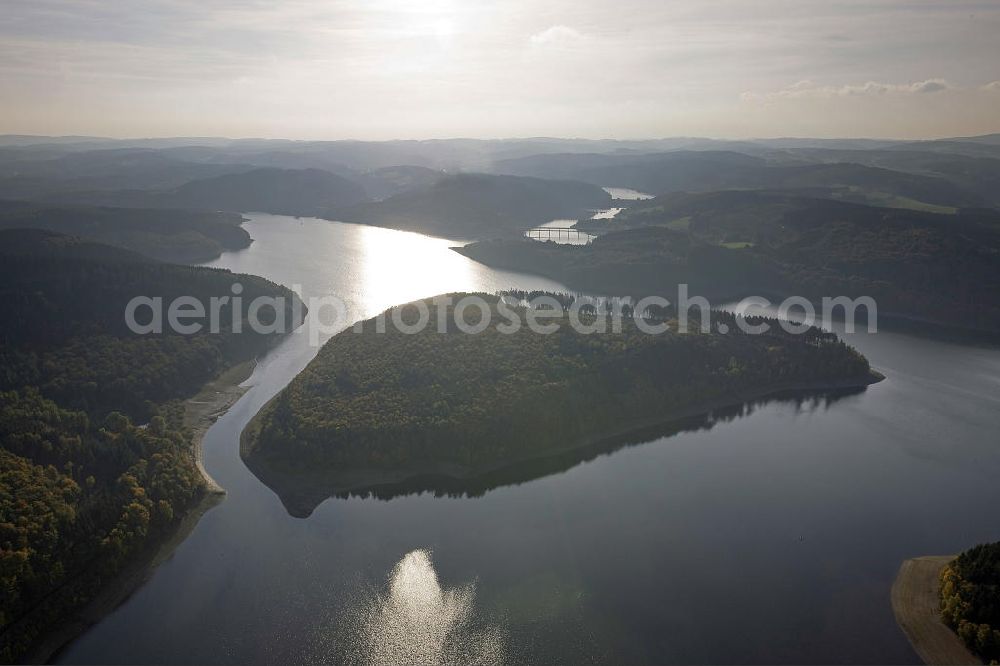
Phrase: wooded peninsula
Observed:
(402, 404)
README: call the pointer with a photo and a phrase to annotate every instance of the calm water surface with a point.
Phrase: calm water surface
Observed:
(771, 537)
(617, 194)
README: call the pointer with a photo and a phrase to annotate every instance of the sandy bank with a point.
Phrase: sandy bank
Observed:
(204, 409)
(200, 412)
(916, 603)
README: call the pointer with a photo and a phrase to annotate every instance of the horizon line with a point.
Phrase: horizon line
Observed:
(95, 137)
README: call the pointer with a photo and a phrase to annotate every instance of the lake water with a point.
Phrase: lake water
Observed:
(768, 537)
(571, 238)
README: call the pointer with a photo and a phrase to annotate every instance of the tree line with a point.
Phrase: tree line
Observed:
(970, 599)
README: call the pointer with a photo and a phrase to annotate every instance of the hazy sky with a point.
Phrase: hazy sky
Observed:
(380, 69)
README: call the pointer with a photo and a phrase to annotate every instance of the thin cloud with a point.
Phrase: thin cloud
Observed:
(992, 86)
(338, 69)
(558, 36)
(809, 90)
(929, 86)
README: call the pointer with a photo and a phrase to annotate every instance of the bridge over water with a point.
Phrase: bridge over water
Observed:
(566, 234)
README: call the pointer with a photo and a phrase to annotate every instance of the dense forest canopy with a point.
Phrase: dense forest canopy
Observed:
(939, 267)
(467, 188)
(83, 488)
(970, 599)
(481, 205)
(472, 402)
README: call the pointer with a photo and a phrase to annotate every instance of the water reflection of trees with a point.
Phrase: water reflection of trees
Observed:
(302, 495)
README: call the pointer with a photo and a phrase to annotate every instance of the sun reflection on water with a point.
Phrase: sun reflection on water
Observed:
(398, 267)
(418, 622)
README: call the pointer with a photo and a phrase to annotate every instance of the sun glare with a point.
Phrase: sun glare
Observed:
(419, 622)
(444, 28)
(389, 254)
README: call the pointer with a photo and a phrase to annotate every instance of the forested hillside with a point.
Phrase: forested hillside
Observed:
(269, 190)
(82, 486)
(978, 174)
(41, 171)
(936, 267)
(709, 170)
(388, 181)
(481, 205)
(182, 236)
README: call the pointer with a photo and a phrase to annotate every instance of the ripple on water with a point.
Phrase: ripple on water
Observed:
(416, 621)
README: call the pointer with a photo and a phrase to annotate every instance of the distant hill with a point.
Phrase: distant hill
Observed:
(703, 171)
(288, 191)
(180, 236)
(58, 288)
(748, 210)
(578, 166)
(920, 266)
(449, 154)
(388, 181)
(752, 212)
(36, 172)
(269, 190)
(986, 146)
(328, 178)
(43, 245)
(979, 175)
(481, 205)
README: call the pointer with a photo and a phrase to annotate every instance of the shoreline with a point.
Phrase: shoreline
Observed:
(200, 411)
(916, 603)
(359, 479)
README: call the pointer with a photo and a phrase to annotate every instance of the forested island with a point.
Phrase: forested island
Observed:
(970, 599)
(97, 466)
(389, 406)
(917, 265)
